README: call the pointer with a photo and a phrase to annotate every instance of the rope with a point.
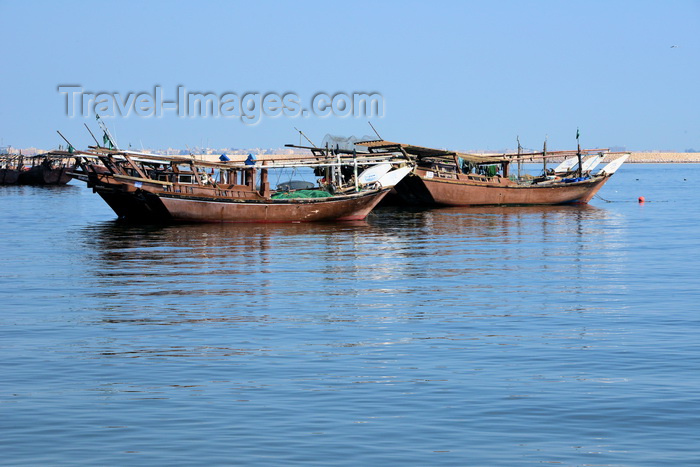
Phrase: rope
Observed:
(279, 175)
(629, 201)
(283, 172)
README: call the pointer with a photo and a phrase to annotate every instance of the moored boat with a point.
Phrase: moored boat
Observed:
(47, 169)
(10, 168)
(449, 178)
(149, 188)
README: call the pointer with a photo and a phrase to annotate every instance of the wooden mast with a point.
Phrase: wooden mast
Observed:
(544, 157)
(520, 151)
(578, 154)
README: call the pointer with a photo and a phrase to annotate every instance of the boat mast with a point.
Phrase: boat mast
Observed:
(93, 136)
(354, 170)
(578, 154)
(301, 133)
(544, 157)
(520, 151)
(375, 131)
(108, 139)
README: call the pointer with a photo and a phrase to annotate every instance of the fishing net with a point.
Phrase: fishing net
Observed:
(302, 194)
(346, 143)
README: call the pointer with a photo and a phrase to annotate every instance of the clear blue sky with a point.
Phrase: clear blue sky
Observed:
(462, 75)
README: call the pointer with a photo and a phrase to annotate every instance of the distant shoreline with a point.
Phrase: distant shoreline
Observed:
(651, 157)
(659, 157)
(635, 157)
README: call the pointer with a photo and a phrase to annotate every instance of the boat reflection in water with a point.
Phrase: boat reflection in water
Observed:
(398, 264)
(215, 272)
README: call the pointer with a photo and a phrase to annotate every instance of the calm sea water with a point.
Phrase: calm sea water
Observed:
(471, 336)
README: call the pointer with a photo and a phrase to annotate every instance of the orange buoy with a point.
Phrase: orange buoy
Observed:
(641, 199)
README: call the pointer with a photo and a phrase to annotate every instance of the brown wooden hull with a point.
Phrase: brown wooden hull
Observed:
(134, 207)
(419, 189)
(9, 176)
(42, 175)
(148, 204)
(341, 208)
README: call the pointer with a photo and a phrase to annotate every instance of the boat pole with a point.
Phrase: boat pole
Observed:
(520, 162)
(578, 154)
(301, 133)
(354, 162)
(375, 131)
(93, 136)
(64, 139)
(340, 173)
(544, 157)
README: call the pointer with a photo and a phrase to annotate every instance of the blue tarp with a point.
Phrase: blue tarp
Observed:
(572, 180)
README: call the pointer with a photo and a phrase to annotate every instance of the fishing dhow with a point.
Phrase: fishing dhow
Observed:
(52, 168)
(352, 181)
(150, 188)
(448, 178)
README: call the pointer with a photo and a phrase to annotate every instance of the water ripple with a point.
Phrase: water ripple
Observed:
(462, 336)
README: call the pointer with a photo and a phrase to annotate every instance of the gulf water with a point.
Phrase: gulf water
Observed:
(471, 336)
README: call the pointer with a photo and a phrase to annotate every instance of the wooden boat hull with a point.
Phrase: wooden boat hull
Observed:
(140, 207)
(42, 175)
(330, 209)
(420, 189)
(143, 205)
(9, 176)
